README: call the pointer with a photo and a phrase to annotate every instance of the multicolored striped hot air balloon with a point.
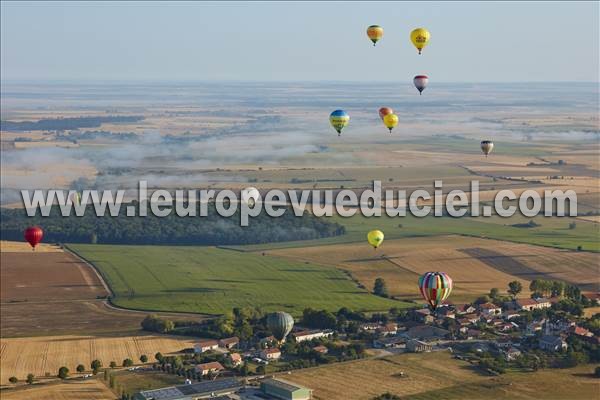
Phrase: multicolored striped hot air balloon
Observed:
(375, 33)
(339, 119)
(435, 287)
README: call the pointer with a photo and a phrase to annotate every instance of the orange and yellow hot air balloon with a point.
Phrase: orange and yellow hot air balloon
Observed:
(375, 33)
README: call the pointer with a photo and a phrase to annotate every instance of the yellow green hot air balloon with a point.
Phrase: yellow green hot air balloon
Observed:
(420, 38)
(339, 119)
(375, 33)
(390, 121)
(375, 238)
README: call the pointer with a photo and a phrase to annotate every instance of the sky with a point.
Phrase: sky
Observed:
(298, 41)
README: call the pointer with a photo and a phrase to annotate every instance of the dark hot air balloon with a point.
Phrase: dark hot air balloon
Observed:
(280, 324)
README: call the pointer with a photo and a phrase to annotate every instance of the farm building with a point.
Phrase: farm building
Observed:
(205, 345)
(301, 336)
(194, 391)
(280, 389)
(416, 346)
(229, 343)
(389, 342)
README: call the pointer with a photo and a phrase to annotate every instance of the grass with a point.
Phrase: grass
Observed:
(213, 281)
(133, 382)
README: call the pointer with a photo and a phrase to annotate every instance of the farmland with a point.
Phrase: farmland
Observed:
(46, 354)
(467, 260)
(92, 389)
(437, 375)
(213, 281)
(50, 292)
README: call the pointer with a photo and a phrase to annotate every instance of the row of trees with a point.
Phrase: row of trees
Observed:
(212, 229)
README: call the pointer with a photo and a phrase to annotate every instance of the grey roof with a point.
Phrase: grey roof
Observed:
(282, 384)
(181, 391)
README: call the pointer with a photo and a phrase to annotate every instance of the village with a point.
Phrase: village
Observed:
(493, 334)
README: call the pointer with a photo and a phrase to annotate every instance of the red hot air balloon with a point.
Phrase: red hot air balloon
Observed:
(383, 111)
(33, 235)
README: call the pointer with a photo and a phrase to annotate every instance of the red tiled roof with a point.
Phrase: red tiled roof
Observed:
(271, 351)
(207, 343)
(210, 366)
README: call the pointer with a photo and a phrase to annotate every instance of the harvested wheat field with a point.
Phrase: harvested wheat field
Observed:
(39, 355)
(7, 246)
(92, 389)
(430, 376)
(468, 261)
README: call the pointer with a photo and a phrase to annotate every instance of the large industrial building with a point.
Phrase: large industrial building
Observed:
(195, 391)
(284, 390)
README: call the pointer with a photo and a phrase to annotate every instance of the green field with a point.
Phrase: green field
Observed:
(552, 232)
(209, 280)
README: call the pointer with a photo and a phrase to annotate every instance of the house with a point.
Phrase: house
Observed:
(423, 315)
(510, 314)
(472, 318)
(302, 336)
(205, 345)
(369, 327)
(236, 359)
(416, 346)
(531, 304)
(552, 343)
(426, 332)
(388, 329)
(267, 341)
(321, 349)
(507, 326)
(581, 332)
(229, 343)
(535, 326)
(593, 297)
(461, 309)
(511, 354)
(209, 367)
(389, 342)
(490, 309)
(445, 312)
(561, 325)
(473, 334)
(270, 354)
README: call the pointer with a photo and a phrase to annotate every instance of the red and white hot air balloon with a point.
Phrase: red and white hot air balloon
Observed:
(420, 82)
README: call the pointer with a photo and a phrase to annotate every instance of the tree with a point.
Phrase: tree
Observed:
(63, 372)
(128, 362)
(80, 368)
(386, 396)
(144, 358)
(30, 378)
(597, 372)
(113, 364)
(494, 292)
(380, 288)
(13, 379)
(96, 365)
(514, 288)
(159, 357)
(260, 370)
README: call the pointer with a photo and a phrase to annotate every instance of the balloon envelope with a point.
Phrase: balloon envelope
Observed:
(390, 121)
(487, 146)
(421, 82)
(280, 324)
(250, 195)
(375, 33)
(339, 119)
(33, 235)
(420, 37)
(375, 238)
(435, 287)
(383, 111)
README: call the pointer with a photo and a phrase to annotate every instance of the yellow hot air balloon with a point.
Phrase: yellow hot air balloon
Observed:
(375, 238)
(339, 119)
(420, 38)
(375, 33)
(390, 121)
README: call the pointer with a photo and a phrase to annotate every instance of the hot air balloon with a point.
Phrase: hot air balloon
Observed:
(420, 38)
(487, 146)
(375, 238)
(280, 324)
(435, 287)
(383, 111)
(339, 119)
(250, 196)
(390, 121)
(375, 33)
(33, 235)
(421, 82)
